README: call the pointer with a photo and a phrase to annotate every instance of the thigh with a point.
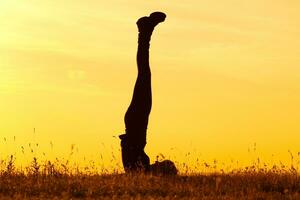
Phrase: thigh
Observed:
(140, 106)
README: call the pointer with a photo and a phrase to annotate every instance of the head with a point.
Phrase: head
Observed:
(165, 167)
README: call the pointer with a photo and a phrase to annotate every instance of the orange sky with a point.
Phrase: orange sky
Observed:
(225, 76)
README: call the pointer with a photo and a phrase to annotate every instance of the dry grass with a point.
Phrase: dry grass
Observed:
(52, 181)
(61, 179)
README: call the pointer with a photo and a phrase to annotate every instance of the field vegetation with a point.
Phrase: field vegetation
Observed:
(57, 180)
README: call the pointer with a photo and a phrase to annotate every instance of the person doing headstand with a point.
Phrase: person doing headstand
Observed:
(136, 118)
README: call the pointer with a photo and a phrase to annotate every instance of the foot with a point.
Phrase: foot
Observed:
(147, 24)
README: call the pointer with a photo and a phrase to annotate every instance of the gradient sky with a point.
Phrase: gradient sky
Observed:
(226, 77)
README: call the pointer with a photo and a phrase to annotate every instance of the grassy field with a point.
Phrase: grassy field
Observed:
(49, 182)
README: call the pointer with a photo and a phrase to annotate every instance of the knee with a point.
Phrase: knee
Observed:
(144, 75)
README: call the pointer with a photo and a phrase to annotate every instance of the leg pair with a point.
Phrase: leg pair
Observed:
(136, 118)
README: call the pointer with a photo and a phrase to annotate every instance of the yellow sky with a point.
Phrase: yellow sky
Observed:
(226, 75)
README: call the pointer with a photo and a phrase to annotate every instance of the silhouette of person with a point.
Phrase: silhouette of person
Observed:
(133, 141)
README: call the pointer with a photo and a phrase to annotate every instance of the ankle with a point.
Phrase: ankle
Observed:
(144, 37)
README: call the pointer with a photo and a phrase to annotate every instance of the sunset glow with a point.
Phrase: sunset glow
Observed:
(226, 78)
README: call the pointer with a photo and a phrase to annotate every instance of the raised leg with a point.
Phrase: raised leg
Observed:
(136, 118)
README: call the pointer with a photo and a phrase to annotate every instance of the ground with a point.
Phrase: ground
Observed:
(240, 185)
